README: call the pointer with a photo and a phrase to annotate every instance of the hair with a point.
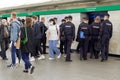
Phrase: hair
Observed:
(23, 21)
(34, 17)
(98, 19)
(52, 21)
(42, 18)
(28, 22)
(14, 14)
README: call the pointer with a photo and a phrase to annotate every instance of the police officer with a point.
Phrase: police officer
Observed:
(83, 37)
(69, 31)
(106, 34)
(62, 37)
(95, 36)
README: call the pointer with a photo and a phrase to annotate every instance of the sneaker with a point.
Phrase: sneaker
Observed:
(51, 58)
(64, 55)
(58, 57)
(32, 69)
(32, 59)
(42, 57)
(11, 66)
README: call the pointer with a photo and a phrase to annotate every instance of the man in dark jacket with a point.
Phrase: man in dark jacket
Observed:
(4, 36)
(43, 39)
(62, 37)
(37, 36)
(83, 37)
(106, 34)
(69, 31)
(95, 36)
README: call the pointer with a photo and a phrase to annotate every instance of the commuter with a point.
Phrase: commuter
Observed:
(37, 36)
(14, 36)
(43, 39)
(106, 34)
(53, 37)
(62, 37)
(27, 45)
(83, 37)
(69, 31)
(95, 36)
(4, 38)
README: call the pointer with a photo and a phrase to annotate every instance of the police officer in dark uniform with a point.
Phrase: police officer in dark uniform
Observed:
(62, 37)
(106, 34)
(95, 36)
(83, 37)
(69, 31)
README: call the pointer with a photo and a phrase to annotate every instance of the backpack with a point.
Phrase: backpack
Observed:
(25, 40)
(6, 32)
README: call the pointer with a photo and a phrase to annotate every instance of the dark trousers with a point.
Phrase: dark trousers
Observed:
(38, 47)
(92, 48)
(68, 43)
(78, 47)
(13, 53)
(4, 47)
(43, 42)
(18, 53)
(25, 57)
(105, 48)
(84, 48)
(62, 46)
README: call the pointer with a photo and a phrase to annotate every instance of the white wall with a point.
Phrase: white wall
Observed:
(76, 21)
(115, 41)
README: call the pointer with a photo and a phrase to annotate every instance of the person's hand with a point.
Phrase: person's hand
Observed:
(15, 44)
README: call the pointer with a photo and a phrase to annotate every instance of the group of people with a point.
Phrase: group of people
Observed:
(27, 36)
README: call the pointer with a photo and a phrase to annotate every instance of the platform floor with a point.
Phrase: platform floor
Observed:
(60, 70)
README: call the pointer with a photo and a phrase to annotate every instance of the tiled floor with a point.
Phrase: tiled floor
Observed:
(61, 70)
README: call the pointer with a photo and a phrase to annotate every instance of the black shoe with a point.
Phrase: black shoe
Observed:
(46, 53)
(32, 69)
(5, 58)
(68, 60)
(85, 58)
(102, 60)
(25, 71)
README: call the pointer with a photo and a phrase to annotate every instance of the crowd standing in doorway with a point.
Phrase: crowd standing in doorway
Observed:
(28, 37)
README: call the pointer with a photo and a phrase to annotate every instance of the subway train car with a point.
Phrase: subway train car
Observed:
(78, 14)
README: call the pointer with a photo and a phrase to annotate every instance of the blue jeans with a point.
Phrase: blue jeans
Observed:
(53, 48)
(25, 57)
(13, 53)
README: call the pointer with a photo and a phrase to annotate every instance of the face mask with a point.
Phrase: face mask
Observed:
(51, 23)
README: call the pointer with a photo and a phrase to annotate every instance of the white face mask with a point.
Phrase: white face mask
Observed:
(51, 23)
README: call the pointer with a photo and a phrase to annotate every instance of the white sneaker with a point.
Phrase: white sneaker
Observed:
(32, 59)
(58, 57)
(42, 57)
(51, 58)
(64, 55)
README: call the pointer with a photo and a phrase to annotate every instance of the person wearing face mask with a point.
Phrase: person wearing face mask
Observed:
(53, 37)
(83, 37)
